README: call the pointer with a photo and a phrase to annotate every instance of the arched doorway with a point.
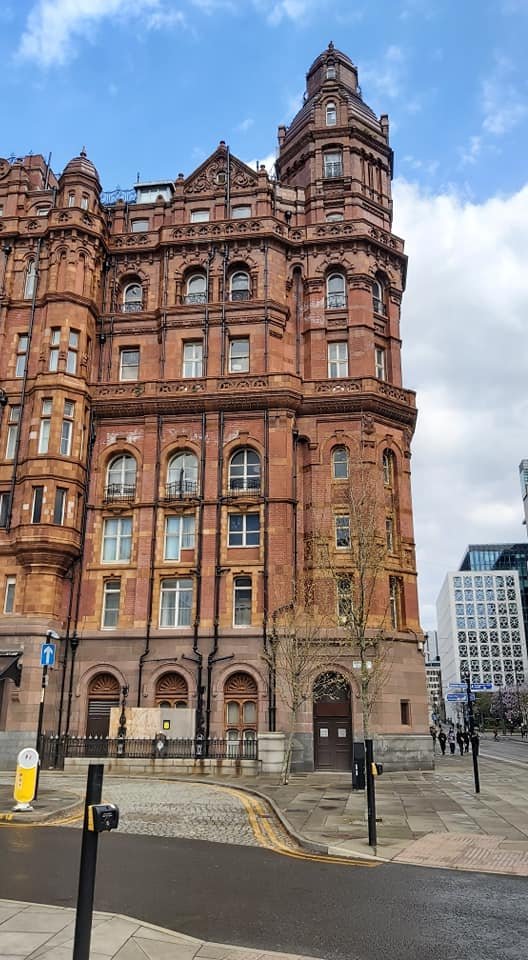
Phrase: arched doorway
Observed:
(103, 694)
(332, 721)
(172, 691)
(240, 699)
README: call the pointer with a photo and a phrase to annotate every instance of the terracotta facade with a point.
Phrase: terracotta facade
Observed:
(178, 367)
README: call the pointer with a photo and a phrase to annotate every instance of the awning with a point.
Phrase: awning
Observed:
(9, 669)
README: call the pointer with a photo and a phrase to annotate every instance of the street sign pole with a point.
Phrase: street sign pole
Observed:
(473, 735)
(87, 868)
(44, 684)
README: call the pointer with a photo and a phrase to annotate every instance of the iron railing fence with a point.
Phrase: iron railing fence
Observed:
(54, 749)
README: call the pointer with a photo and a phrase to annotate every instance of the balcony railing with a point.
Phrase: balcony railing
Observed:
(240, 294)
(181, 490)
(120, 491)
(54, 750)
(335, 301)
(195, 298)
(133, 307)
(333, 169)
(245, 487)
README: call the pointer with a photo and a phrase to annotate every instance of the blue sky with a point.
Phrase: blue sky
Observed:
(151, 86)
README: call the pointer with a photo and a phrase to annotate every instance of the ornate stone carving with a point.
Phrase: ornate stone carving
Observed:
(395, 393)
(346, 386)
(249, 383)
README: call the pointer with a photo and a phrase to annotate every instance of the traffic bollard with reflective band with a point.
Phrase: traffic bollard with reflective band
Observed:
(25, 778)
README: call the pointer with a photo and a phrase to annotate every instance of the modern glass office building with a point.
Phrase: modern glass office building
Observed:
(501, 556)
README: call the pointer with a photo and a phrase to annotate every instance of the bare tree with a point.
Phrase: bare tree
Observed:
(299, 654)
(351, 548)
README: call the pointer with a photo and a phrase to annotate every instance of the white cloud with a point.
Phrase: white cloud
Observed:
(465, 351)
(268, 161)
(503, 101)
(470, 153)
(245, 125)
(385, 75)
(276, 11)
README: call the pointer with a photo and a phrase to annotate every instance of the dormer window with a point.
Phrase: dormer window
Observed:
(331, 114)
(196, 288)
(333, 163)
(84, 202)
(331, 71)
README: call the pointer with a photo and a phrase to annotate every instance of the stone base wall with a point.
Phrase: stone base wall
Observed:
(394, 751)
(125, 766)
(11, 743)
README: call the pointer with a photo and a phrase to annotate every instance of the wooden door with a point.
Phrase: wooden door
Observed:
(333, 743)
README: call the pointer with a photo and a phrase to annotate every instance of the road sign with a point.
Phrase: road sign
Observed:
(457, 686)
(482, 686)
(456, 697)
(47, 655)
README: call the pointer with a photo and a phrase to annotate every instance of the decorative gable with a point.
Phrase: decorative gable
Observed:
(211, 176)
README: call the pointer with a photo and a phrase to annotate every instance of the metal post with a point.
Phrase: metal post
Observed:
(44, 684)
(473, 735)
(87, 868)
(371, 794)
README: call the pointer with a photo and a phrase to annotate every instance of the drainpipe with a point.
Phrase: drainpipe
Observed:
(153, 543)
(197, 657)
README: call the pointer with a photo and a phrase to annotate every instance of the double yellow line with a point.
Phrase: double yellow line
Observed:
(266, 835)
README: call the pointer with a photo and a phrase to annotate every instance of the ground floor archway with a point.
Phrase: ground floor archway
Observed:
(103, 694)
(332, 722)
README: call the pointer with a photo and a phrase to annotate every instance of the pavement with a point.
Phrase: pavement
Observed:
(30, 930)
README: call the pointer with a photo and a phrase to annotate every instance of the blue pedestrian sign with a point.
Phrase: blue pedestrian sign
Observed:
(456, 697)
(47, 655)
(482, 686)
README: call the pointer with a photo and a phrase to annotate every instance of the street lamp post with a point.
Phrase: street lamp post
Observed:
(50, 635)
(122, 729)
(473, 735)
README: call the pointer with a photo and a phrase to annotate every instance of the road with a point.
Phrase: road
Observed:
(255, 897)
(505, 748)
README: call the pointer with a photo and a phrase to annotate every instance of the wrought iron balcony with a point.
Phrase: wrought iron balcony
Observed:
(333, 169)
(133, 307)
(335, 301)
(240, 295)
(245, 487)
(120, 491)
(181, 490)
(195, 298)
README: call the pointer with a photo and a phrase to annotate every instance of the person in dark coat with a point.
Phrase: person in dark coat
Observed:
(460, 739)
(451, 740)
(466, 741)
(442, 740)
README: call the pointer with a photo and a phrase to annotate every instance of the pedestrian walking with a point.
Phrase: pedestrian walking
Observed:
(466, 741)
(496, 731)
(451, 740)
(460, 739)
(442, 740)
(524, 730)
(432, 731)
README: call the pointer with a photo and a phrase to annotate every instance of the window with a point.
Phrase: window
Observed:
(111, 599)
(42, 211)
(121, 477)
(331, 114)
(9, 594)
(405, 713)
(242, 597)
(244, 470)
(36, 506)
(182, 476)
(133, 298)
(59, 508)
(45, 424)
(331, 72)
(71, 199)
(84, 202)
(241, 212)
(21, 355)
(337, 360)
(176, 603)
(129, 363)
(240, 696)
(379, 354)
(117, 540)
(334, 217)
(342, 531)
(53, 364)
(179, 535)
(73, 349)
(244, 530)
(344, 599)
(193, 359)
(67, 428)
(239, 355)
(12, 432)
(196, 288)
(378, 304)
(4, 509)
(335, 291)
(199, 216)
(388, 468)
(389, 534)
(333, 164)
(395, 602)
(340, 463)
(240, 286)
(139, 226)
(30, 281)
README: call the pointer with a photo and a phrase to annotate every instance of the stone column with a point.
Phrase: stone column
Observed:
(271, 747)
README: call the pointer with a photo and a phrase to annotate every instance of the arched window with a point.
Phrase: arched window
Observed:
(333, 163)
(378, 299)
(331, 114)
(132, 298)
(182, 475)
(335, 291)
(330, 71)
(244, 471)
(340, 463)
(121, 478)
(241, 697)
(388, 463)
(30, 281)
(196, 288)
(240, 285)
(103, 694)
(172, 691)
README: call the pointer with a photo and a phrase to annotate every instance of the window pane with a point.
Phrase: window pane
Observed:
(239, 355)
(340, 461)
(239, 213)
(129, 364)
(233, 712)
(250, 712)
(199, 216)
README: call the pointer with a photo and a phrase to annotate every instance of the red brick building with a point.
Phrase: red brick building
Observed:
(186, 371)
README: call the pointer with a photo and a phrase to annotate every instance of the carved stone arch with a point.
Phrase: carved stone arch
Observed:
(390, 443)
(328, 263)
(104, 686)
(240, 684)
(171, 687)
(103, 693)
